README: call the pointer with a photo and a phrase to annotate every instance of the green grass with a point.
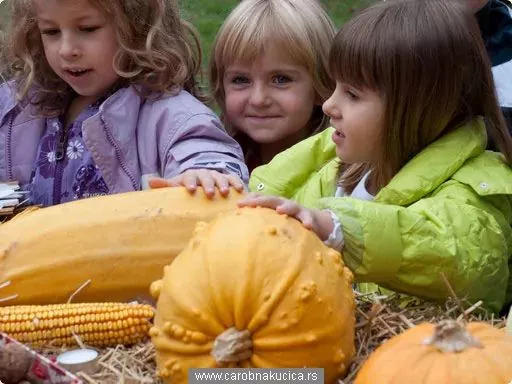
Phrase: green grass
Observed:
(4, 15)
(208, 15)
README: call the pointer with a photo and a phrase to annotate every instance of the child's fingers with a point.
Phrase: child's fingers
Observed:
(292, 209)
(247, 200)
(306, 218)
(206, 179)
(289, 208)
(236, 182)
(221, 181)
(265, 201)
(189, 180)
(158, 182)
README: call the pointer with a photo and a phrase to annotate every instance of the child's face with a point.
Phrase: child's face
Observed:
(358, 117)
(79, 44)
(271, 99)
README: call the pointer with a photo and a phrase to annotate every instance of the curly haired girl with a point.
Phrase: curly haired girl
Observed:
(103, 98)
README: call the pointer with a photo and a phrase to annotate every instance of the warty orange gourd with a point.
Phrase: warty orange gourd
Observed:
(254, 289)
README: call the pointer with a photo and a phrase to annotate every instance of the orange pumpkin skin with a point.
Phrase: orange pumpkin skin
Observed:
(406, 359)
(259, 271)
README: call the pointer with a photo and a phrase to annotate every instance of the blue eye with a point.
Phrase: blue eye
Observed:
(239, 80)
(281, 79)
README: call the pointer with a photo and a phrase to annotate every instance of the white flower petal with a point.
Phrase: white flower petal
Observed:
(74, 150)
(50, 156)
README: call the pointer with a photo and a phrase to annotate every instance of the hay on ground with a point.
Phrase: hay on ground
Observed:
(378, 318)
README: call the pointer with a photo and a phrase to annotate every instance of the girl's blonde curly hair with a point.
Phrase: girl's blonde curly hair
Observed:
(158, 52)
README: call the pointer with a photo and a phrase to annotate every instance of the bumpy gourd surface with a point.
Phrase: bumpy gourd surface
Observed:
(259, 271)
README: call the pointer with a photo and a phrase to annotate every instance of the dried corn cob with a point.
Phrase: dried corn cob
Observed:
(96, 324)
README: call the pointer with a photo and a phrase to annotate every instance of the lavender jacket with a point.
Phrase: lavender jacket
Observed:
(131, 139)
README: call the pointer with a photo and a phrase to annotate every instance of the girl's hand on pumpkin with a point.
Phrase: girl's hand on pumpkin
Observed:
(206, 178)
(318, 221)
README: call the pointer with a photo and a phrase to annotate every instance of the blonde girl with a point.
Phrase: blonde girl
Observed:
(103, 98)
(268, 74)
(402, 184)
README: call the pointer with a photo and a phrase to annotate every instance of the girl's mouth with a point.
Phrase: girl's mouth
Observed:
(77, 72)
(338, 137)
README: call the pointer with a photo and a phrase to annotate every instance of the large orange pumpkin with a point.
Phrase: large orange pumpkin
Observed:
(254, 289)
(447, 353)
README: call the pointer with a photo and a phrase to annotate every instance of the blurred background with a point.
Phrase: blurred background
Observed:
(208, 15)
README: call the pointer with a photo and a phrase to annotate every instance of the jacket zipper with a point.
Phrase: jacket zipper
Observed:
(117, 150)
(60, 154)
(10, 175)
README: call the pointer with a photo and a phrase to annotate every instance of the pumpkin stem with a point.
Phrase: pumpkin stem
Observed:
(450, 336)
(232, 346)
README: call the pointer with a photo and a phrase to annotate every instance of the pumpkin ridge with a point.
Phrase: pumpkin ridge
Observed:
(215, 306)
(275, 343)
(287, 280)
(181, 347)
(209, 326)
(426, 358)
(398, 375)
(436, 367)
(258, 361)
(243, 293)
(490, 358)
(462, 363)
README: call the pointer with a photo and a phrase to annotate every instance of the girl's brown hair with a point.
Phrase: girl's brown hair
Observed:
(301, 28)
(158, 52)
(427, 60)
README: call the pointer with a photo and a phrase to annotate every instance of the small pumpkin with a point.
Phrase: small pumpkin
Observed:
(254, 289)
(444, 353)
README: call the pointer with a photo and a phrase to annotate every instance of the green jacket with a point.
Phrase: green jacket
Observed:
(448, 210)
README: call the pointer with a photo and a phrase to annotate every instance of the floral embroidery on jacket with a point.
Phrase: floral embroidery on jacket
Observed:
(73, 177)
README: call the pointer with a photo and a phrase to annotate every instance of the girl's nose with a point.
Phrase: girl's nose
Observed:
(329, 106)
(259, 96)
(69, 48)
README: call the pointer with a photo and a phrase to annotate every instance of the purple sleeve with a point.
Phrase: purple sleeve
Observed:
(202, 142)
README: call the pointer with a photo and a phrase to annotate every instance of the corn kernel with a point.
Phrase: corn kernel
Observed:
(99, 324)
